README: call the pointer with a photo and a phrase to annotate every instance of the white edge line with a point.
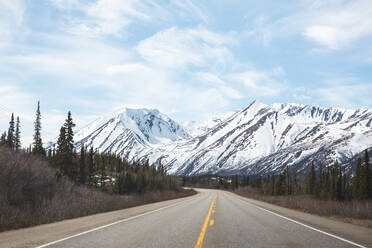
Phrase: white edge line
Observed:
(111, 224)
(302, 224)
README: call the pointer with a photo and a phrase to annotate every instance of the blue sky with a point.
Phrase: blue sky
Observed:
(190, 59)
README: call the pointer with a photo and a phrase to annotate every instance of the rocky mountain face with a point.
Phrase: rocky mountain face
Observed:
(129, 132)
(260, 139)
(195, 128)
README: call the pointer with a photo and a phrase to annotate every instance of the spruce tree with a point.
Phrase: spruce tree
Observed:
(17, 138)
(272, 184)
(311, 180)
(69, 125)
(10, 140)
(296, 185)
(356, 180)
(288, 181)
(38, 143)
(68, 146)
(82, 171)
(363, 184)
(236, 181)
(61, 151)
(340, 191)
(61, 142)
(3, 139)
(91, 166)
(369, 173)
(321, 181)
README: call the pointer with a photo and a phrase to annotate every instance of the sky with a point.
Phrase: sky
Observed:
(192, 60)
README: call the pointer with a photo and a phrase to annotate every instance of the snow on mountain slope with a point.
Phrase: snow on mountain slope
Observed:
(262, 139)
(197, 128)
(128, 132)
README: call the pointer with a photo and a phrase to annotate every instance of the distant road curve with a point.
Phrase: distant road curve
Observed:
(211, 218)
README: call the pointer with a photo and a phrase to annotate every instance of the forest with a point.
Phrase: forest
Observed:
(40, 185)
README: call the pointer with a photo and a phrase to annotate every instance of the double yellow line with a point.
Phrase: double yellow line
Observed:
(199, 243)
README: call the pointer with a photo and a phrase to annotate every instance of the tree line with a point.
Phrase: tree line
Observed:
(105, 171)
(329, 182)
(325, 183)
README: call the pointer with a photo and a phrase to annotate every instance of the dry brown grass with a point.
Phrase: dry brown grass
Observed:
(344, 210)
(30, 194)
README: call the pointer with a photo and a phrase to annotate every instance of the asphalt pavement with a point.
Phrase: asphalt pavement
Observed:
(211, 218)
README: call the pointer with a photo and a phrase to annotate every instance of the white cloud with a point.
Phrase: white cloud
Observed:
(338, 25)
(112, 17)
(230, 92)
(126, 68)
(11, 19)
(67, 4)
(215, 81)
(103, 17)
(176, 47)
(209, 77)
(192, 9)
(332, 24)
(346, 95)
(261, 83)
(325, 35)
(348, 91)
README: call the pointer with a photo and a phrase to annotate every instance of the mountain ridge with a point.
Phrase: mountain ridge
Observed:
(260, 138)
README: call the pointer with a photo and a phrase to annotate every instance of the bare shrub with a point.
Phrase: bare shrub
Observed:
(31, 194)
(310, 204)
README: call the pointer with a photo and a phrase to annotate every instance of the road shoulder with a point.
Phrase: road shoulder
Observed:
(38, 235)
(348, 231)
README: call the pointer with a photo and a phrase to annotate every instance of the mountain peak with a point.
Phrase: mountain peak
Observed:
(130, 130)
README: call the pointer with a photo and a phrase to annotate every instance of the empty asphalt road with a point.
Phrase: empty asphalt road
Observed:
(209, 219)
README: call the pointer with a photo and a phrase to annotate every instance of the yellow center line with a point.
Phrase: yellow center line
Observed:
(199, 243)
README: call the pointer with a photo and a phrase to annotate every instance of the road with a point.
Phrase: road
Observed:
(209, 219)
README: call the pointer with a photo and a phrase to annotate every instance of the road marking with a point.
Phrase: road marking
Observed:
(211, 222)
(302, 224)
(111, 224)
(199, 243)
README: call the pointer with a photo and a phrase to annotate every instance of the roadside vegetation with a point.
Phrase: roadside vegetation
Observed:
(325, 191)
(40, 186)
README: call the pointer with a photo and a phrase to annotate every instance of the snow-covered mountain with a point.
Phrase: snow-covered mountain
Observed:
(195, 128)
(262, 139)
(259, 139)
(129, 132)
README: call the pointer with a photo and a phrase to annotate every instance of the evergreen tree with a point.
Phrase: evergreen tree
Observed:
(17, 139)
(321, 186)
(38, 143)
(339, 183)
(103, 173)
(69, 125)
(272, 184)
(311, 180)
(82, 170)
(10, 140)
(288, 181)
(91, 166)
(61, 142)
(296, 185)
(61, 151)
(363, 183)
(236, 182)
(356, 180)
(280, 186)
(369, 173)
(3, 139)
(67, 152)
